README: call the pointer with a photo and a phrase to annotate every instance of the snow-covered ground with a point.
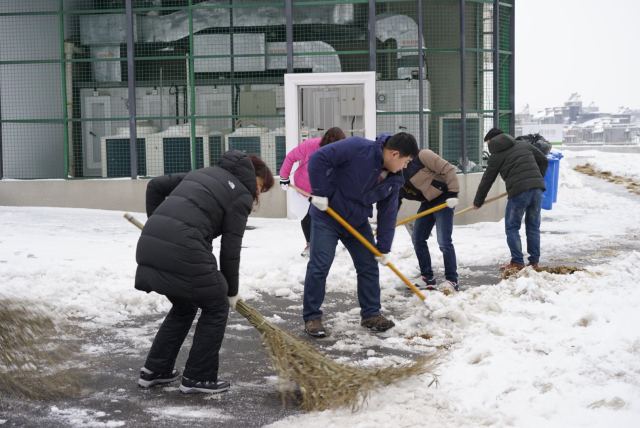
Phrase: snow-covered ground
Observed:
(538, 350)
(625, 164)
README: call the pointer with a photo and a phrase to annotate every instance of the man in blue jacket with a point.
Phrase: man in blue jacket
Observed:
(350, 176)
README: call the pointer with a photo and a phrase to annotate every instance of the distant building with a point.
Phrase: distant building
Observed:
(574, 123)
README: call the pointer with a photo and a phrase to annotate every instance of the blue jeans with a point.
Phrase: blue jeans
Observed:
(324, 239)
(525, 204)
(443, 220)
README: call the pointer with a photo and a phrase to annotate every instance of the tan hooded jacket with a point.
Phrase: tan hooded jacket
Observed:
(435, 168)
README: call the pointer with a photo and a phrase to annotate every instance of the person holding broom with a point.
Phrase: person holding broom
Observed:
(186, 212)
(432, 180)
(301, 154)
(522, 167)
(350, 176)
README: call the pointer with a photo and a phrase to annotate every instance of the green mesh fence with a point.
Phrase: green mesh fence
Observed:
(209, 77)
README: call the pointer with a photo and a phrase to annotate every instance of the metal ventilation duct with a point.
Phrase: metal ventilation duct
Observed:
(402, 29)
(110, 28)
(317, 63)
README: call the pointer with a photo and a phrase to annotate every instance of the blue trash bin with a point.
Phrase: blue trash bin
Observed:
(551, 179)
(556, 174)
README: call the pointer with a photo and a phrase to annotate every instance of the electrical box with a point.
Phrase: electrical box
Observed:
(351, 101)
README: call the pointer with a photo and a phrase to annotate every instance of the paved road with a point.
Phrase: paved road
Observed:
(111, 398)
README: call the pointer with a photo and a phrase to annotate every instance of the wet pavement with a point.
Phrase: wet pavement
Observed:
(110, 396)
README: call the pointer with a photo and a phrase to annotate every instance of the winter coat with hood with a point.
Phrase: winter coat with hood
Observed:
(186, 212)
(348, 172)
(429, 177)
(300, 154)
(521, 166)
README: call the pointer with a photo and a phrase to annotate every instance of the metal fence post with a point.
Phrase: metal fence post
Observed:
(512, 98)
(288, 13)
(420, 77)
(496, 63)
(372, 35)
(63, 81)
(463, 109)
(192, 91)
(131, 85)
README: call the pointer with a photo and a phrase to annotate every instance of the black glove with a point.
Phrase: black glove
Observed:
(284, 183)
(448, 195)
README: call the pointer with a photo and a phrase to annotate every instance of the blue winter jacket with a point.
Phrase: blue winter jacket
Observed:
(347, 172)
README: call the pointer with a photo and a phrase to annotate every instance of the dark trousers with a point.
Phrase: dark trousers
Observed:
(525, 204)
(202, 363)
(324, 239)
(306, 227)
(443, 221)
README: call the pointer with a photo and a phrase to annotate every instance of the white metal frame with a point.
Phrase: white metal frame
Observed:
(291, 113)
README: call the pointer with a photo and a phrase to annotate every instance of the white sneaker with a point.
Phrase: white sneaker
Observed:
(448, 287)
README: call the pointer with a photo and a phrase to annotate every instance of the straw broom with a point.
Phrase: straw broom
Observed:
(324, 383)
(27, 356)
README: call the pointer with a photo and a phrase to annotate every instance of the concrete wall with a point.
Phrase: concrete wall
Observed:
(129, 195)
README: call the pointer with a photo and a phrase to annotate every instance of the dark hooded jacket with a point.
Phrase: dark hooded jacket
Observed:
(186, 212)
(521, 166)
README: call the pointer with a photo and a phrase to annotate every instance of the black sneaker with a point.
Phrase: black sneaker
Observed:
(148, 378)
(192, 386)
(377, 323)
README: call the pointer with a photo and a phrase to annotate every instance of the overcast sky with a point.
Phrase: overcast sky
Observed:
(587, 46)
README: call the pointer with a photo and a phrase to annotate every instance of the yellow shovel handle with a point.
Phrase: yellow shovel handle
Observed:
(442, 206)
(374, 250)
(495, 198)
(366, 243)
(422, 214)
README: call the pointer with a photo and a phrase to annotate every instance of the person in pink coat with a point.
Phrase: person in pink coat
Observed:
(302, 153)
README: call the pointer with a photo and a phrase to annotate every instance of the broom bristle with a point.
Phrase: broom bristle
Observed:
(558, 270)
(29, 363)
(324, 383)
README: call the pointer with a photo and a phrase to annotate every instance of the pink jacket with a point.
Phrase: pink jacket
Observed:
(301, 154)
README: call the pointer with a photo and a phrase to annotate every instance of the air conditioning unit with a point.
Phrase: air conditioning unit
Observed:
(450, 127)
(116, 152)
(217, 147)
(270, 145)
(169, 151)
(397, 102)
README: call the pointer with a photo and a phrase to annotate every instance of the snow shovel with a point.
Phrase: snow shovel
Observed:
(364, 242)
(324, 383)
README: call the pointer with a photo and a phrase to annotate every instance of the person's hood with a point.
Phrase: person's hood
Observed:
(383, 137)
(500, 143)
(239, 164)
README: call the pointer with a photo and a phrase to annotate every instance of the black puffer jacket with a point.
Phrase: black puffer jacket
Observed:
(174, 251)
(520, 165)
